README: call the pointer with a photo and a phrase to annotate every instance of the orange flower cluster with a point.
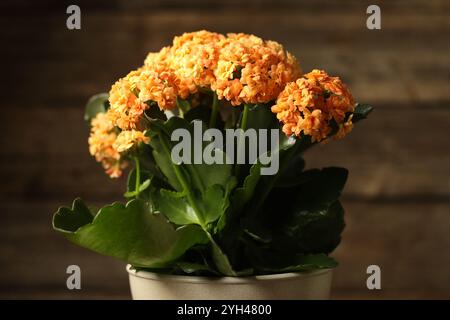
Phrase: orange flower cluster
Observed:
(194, 56)
(101, 145)
(240, 68)
(107, 145)
(251, 70)
(309, 105)
(128, 138)
(126, 109)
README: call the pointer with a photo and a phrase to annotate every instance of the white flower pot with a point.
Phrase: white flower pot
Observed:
(305, 286)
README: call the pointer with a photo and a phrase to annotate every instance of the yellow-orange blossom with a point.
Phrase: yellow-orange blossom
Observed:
(106, 144)
(308, 106)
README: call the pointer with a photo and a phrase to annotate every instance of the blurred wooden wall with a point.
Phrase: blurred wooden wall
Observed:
(398, 195)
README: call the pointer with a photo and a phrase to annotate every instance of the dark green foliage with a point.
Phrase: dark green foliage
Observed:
(215, 219)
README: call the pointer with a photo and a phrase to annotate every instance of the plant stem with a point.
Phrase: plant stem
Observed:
(138, 174)
(219, 257)
(245, 117)
(233, 118)
(193, 171)
(183, 106)
(215, 109)
(243, 126)
(185, 185)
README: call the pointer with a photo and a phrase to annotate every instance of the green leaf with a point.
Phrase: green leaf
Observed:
(130, 194)
(288, 142)
(146, 178)
(183, 105)
(315, 230)
(96, 104)
(262, 235)
(266, 183)
(202, 113)
(196, 268)
(214, 203)
(165, 164)
(131, 233)
(296, 263)
(312, 219)
(150, 185)
(361, 112)
(212, 174)
(239, 197)
(245, 193)
(277, 258)
(72, 219)
(242, 195)
(176, 207)
(200, 176)
(220, 259)
(142, 187)
(320, 187)
(291, 175)
(248, 202)
(144, 183)
(261, 117)
(154, 112)
(205, 175)
(314, 189)
(255, 182)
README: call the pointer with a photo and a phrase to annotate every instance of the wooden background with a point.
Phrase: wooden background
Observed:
(398, 195)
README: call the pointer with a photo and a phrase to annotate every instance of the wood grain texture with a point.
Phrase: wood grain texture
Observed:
(398, 194)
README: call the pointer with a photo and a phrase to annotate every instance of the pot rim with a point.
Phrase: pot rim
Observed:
(224, 280)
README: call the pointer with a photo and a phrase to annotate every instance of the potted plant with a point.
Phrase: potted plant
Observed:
(218, 202)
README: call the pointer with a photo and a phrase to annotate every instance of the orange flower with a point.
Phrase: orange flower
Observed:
(101, 145)
(251, 70)
(194, 56)
(309, 105)
(125, 108)
(158, 58)
(345, 128)
(158, 86)
(127, 139)
(130, 96)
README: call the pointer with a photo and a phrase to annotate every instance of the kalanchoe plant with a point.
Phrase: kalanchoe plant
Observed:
(221, 218)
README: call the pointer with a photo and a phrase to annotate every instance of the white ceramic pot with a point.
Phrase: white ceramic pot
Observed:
(302, 286)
